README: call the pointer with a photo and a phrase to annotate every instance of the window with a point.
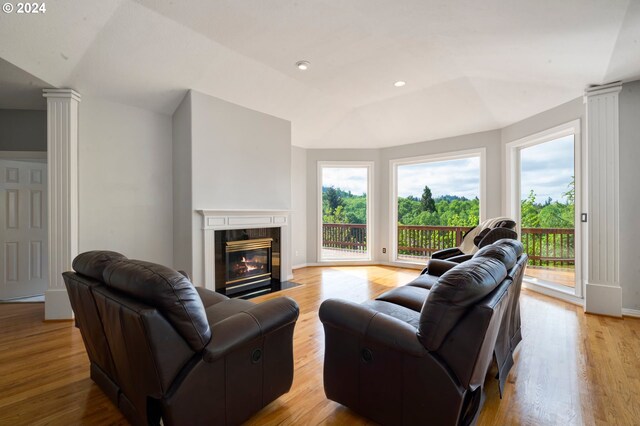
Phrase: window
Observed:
(344, 211)
(435, 201)
(543, 182)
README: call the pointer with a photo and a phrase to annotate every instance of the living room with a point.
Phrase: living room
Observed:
(160, 125)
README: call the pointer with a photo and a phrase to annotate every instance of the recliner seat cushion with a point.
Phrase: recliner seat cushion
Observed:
(168, 291)
(411, 297)
(93, 263)
(456, 291)
(407, 315)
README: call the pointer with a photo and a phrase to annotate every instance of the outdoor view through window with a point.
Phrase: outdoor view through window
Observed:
(344, 213)
(547, 210)
(438, 202)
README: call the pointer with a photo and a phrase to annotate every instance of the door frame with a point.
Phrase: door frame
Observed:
(23, 155)
(513, 196)
(369, 165)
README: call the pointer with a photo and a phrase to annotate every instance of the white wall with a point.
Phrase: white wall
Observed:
(240, 159)
(298, 206)
(629, 194)
(23, 130)
(125, 181)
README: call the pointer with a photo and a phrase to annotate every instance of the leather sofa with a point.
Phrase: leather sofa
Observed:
(162, 349)
(419, 353)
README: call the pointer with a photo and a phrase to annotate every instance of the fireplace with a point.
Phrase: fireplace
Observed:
(247, 261)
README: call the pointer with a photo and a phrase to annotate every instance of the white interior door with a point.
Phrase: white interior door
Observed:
(23, 222)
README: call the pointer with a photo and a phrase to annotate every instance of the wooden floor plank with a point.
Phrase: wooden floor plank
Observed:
(571, 368)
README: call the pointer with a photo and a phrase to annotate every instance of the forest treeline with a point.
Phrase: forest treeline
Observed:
(340, 206)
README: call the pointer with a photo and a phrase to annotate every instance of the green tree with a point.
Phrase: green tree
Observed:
(428, 204)
(333, 198)
(529, 211)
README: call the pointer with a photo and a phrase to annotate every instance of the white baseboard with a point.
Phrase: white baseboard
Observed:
(302, 265)
(57, 305)
(635, 313)
(603, 300)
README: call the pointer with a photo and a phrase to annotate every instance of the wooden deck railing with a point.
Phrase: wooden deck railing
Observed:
(345, 236)
(548, 247)
(422, 241)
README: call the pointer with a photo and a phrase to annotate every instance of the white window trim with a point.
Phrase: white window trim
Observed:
(393, 190)
(512, 195)
(369, 165)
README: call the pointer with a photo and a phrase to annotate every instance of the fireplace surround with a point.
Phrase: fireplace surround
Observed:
(244, 225)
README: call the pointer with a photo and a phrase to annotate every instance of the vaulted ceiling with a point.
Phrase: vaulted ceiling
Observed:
(469, 65)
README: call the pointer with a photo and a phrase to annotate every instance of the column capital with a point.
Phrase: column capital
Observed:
(603, 89)
(62, 93)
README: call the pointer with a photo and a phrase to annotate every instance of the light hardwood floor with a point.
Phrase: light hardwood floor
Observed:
(571, 368)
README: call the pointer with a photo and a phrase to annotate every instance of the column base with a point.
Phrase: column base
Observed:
(57, 305)
(603, 300)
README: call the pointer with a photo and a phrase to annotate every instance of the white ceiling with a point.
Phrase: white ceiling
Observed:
(469, 65)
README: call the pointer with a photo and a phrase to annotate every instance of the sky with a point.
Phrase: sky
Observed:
(546, 168)
(451, 177)
(352, 179)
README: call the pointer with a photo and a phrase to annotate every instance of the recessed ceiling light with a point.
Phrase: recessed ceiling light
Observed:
(399, 83)
(303, 65)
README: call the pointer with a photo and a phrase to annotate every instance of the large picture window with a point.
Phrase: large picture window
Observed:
(436, 200)
(344, 211)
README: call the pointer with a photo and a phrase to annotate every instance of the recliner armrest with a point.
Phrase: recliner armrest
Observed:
(246, 326)
(209, 297)
(446, 253)
(371, 326)
(437, 267)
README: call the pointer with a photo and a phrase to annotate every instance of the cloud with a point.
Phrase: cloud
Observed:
(352, 179)
(450, 177)
(547, 169)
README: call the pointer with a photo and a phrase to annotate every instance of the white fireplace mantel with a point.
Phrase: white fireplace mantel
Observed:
(218, 220)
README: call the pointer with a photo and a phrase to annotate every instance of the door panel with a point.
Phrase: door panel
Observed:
(23, 226)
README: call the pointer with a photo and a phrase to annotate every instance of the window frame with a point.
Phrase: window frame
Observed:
(431, 158)
(369, 165)
(511, 178)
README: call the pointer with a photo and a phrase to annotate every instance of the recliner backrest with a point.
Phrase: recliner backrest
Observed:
(454, 294)
(506, 250)
(166, 290)
(457, 290)
(148, 352)
(80, 286)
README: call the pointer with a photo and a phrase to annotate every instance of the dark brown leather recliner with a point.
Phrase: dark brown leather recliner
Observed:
(401, 359)
(501, 230)
(510, 331)
(163, 349)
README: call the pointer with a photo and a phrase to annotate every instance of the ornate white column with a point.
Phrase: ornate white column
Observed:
(62, 164)
(603, 292)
